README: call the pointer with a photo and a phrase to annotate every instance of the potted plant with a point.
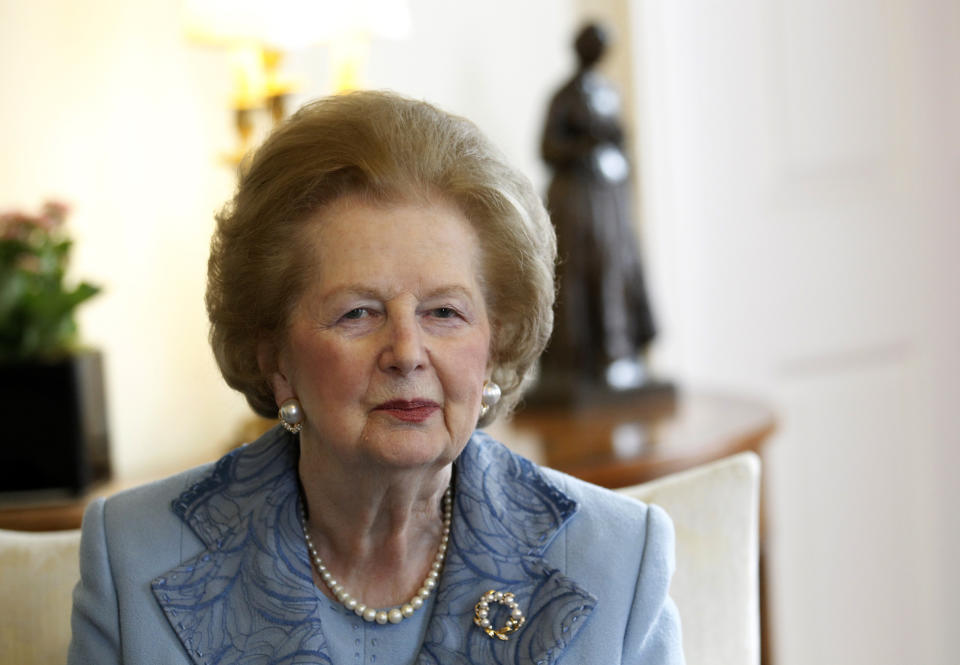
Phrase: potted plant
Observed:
(51, 391)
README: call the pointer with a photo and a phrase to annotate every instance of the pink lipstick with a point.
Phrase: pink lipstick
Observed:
(410, 411)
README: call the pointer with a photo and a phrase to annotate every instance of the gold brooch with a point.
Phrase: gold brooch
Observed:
(481, 614)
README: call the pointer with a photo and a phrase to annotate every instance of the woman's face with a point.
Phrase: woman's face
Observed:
(389, 344)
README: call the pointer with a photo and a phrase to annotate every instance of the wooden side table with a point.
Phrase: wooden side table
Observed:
(43, 515)
(52, 512)
(633, 442)
(56, 511)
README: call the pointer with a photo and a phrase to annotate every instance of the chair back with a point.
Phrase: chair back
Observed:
(37, 574)
(715, 512)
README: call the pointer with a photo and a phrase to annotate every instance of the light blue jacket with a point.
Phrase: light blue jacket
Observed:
(224, 576)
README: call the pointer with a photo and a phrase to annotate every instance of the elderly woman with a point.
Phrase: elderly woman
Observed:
(385, 281)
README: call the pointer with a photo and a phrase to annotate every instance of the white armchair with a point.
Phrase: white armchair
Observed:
(715, 511)
(37, 574)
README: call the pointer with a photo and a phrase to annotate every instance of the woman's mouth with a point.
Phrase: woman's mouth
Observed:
(410, 411)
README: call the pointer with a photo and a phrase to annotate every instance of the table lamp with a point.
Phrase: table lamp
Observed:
(258, 34)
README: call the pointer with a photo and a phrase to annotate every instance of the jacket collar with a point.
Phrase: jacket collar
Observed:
(253, 585)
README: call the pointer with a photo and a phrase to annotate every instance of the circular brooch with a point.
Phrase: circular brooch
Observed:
(481, 614)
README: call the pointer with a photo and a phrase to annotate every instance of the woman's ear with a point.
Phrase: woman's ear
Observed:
(490, 368)
(268, 358)
(492, 351)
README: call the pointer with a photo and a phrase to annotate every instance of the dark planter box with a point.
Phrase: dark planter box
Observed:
(53, 429)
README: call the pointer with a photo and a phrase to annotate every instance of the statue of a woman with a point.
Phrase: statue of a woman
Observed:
(603, 317)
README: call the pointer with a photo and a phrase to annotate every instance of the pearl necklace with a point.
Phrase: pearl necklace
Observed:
(395, 614)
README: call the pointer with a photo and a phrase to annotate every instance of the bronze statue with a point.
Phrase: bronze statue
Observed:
(603, 319)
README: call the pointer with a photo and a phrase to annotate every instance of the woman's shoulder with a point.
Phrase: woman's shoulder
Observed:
(600, 513)
(137, 530)
(151, 497)
(609, 516)
(160, 500)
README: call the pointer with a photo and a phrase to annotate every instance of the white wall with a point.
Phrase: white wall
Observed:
(106, 107)
(802, 220)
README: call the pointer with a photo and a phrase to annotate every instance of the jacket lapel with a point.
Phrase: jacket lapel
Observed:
(249, 597)
(506, 515)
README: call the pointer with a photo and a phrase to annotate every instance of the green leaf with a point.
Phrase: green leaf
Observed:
(36, 307)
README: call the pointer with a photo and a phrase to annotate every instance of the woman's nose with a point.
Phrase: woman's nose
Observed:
(404, 351)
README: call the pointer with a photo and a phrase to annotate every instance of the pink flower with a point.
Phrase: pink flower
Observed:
(16, 225)
(55, 211)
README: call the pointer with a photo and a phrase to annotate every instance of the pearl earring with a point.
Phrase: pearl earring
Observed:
(291, 416)
(489, 397)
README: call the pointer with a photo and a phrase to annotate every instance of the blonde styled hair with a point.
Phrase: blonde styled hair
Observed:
(385, 148)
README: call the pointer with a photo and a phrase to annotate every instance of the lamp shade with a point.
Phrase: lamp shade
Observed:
(292, 24)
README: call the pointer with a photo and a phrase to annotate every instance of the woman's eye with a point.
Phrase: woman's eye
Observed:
(355, 314)
(445, 312)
